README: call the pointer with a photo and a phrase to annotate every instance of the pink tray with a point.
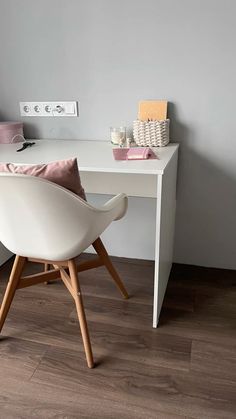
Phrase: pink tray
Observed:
(134, 153)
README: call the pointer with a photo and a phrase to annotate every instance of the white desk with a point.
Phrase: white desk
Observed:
(100, 173)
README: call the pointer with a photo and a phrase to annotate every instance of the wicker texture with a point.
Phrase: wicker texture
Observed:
(151, 133)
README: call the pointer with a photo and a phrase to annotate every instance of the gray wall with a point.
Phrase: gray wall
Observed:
(108, 55)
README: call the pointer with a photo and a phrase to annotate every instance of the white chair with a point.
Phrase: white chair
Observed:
(43, 222)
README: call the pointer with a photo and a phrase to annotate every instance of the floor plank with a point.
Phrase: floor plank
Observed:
(19, 358)
(186, 368)
(158, 388)
(214, 360)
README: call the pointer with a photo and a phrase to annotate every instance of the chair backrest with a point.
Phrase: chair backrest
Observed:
(43, 220)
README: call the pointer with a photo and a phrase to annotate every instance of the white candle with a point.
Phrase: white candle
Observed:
(118, 136)
(115, 137)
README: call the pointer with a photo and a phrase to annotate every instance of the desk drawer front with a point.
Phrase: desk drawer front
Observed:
(114, 183)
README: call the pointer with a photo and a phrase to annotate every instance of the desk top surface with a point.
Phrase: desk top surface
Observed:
(93, 156)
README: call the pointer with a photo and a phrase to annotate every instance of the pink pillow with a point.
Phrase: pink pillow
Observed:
(64, 172)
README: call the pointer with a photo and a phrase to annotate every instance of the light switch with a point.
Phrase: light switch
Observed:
(70, 108)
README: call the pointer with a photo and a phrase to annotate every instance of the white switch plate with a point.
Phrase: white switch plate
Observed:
(60, 108)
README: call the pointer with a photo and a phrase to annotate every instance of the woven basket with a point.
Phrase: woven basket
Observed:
(151, 133)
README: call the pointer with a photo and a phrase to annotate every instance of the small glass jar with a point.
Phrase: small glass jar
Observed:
(118, 136)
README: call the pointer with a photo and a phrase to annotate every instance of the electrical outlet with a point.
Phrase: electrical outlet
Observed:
(49, 108)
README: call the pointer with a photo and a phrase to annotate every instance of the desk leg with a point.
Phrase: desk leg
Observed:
(165, 226)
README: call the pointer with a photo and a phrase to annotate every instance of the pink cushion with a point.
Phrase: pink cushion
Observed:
(64, 172)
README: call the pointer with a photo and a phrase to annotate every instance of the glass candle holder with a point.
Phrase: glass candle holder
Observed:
(118, 136)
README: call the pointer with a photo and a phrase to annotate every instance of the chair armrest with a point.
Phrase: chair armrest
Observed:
(117, 206)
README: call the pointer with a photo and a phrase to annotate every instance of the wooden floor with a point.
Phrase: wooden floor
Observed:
(184, 369)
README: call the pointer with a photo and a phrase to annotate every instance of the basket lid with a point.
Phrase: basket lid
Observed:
(7, 125)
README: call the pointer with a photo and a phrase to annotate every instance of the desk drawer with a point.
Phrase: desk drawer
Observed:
(114, 183)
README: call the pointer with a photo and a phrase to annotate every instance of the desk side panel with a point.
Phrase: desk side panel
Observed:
(166, 208)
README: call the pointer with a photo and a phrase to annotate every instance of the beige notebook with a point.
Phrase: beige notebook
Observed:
(152, 110)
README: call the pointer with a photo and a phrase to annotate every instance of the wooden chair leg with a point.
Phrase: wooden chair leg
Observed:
(46, 268)
(80, 311)
(101, 251)
(11, 288)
